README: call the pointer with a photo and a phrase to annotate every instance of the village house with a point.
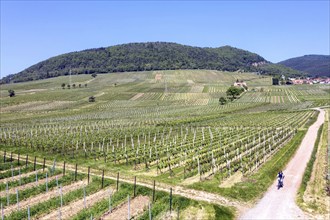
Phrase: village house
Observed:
(310, 81)
(241, 84)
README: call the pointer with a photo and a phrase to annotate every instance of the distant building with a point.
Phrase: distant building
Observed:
(310, 81)
(297, 81)
(241, 84)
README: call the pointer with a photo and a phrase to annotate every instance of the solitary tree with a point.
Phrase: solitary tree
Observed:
(68, 86)
(91, 99)
(86, 85)
(233, 92)
(11, 93)
(222, 100)
(94, 75)
(63, 85)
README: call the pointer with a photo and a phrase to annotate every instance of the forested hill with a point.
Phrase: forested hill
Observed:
(315, 65)
(148, 56)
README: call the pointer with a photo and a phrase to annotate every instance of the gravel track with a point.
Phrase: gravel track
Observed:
(280, 204)
(275, 204)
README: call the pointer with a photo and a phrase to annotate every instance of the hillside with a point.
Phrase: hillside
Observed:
(166, 127)
(314, 65)
(148, 56)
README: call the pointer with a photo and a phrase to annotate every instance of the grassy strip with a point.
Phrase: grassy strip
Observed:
(160, 205)
(9, 164)
(27, 179)
(54, 203)
(309, 168)
(254, 186)
(79, 159)
(311, 120)
(102, 206)
(30, 192)
(27, 169)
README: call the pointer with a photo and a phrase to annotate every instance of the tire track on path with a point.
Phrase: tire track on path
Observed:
(280, 204)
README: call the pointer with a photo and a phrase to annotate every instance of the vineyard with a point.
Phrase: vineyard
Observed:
(162, 125)
(33, 191)
(179, 150)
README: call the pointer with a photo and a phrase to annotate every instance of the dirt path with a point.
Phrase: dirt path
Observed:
(74, 208)
(28, 185)
(18, 176)
(139, 95)
(280, 204)
(276, 204)
(99, 94)
(137, 206)
(315, 194)
(31, 90)
(44, 197)
(87, 81)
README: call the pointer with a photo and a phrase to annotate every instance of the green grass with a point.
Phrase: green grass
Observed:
(312, 194)
(101, 207)
(26, 180)
(15, 172)
(41, 188)
(309, 168)
(9, 164)
(52, 204)
(158, 207)
(49, 122)
(256, 184)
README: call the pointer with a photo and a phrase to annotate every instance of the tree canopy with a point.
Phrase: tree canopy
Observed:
(11, 93)
(234, 91)
(91, 99)
(315, 65)
(142, 57)
(222, 100)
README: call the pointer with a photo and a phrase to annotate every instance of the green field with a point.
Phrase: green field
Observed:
(166, 126)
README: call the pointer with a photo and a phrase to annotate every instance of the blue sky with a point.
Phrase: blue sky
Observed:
(32, 31)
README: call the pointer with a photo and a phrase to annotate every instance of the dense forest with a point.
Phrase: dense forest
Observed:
(315, 65)
(148, 56)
